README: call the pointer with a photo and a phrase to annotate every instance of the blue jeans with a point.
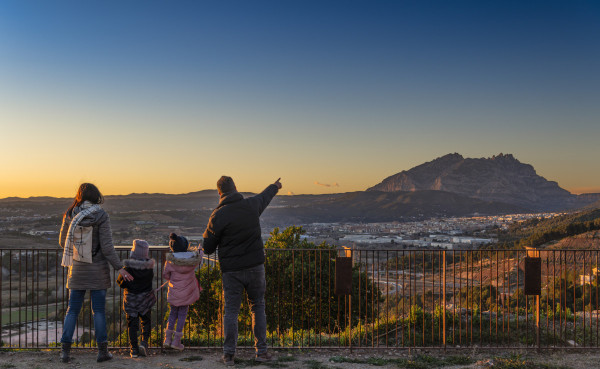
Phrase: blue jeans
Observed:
(234, 283)
(75, 303)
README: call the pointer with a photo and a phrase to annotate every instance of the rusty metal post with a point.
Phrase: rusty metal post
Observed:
(350, 322)
(350, 301)
(537, 321)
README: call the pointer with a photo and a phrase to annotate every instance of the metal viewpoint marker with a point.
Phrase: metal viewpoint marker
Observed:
(533, 276)
(343, 276)
(533, 284)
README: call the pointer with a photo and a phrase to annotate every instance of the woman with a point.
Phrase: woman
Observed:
(86, 238)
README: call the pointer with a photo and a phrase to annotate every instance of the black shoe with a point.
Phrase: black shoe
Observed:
(65, 350)
(103, 354)
(228, 359)
(134, 352)
(143, 348)
(263, 358)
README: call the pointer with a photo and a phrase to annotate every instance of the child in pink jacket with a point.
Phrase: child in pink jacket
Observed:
(184, 289)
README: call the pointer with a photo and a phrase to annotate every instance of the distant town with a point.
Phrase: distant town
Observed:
(446, 233)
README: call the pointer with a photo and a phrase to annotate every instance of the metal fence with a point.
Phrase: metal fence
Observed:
(398, 299)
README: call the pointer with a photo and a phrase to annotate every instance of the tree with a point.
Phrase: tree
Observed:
(300, 288)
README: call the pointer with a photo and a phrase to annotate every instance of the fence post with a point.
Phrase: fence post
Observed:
(533, 285)
(350, 322)
(537, 321)
(444, 298)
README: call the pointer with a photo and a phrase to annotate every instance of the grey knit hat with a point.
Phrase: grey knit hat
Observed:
(139, 250)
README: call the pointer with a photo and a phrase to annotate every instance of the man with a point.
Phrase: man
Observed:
(234, 228)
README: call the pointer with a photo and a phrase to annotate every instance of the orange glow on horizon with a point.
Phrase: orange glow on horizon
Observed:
(582, 190)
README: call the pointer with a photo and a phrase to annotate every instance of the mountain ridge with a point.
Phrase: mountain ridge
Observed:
(500, 178)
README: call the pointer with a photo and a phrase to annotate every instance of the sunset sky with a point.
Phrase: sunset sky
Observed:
(331, 96)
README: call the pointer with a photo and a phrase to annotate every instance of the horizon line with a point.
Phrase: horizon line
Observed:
(576, 191)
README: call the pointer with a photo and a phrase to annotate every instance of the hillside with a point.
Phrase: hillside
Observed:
(500, 178)
(587, 240)
(376, 206)
(542, 233)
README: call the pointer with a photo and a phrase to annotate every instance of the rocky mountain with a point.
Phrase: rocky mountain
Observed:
(501, 178)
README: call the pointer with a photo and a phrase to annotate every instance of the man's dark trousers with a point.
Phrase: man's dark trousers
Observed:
(234, 283)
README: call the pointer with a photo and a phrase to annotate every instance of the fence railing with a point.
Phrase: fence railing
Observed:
(399, 299)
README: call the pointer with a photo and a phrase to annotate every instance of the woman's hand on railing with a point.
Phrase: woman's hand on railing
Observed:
(126, 276)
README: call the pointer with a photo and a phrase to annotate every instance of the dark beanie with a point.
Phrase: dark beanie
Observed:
(178, 243)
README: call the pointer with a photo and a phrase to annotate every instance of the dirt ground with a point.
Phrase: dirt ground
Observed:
(309, 359)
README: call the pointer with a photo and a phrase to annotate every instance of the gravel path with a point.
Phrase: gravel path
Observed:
(306, 359)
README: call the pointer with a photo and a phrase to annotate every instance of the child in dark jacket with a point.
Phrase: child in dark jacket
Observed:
(137, 296)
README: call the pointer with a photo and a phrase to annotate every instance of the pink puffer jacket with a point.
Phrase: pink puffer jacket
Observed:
(183, 286)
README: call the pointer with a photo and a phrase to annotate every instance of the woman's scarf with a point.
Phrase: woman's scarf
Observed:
(86, 209)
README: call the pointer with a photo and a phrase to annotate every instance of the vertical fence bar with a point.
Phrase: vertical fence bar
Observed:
(47, 298)
(279, 301)
(439, 282)
(575, 272)
(397, 302)
(469, 308)
(503, 299)
(376, 291)
(482, 327)
(317, 306)
(404, 297)
(423, 296)
(293, 292)
(496, 295)
(560, 291)
(37, 300)
(582, 281)
(357, 255)
(10, 296)
(2, 291)
(432, 257)
(387, 299)
(546, 287)
(461, 299)
(57, 316)
(444, 298)
(20, 294)
(553, 297)
(413, 293)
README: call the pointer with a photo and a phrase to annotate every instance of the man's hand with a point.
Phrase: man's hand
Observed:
(278, 184)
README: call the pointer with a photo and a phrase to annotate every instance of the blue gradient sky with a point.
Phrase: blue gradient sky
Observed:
(166, 96)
